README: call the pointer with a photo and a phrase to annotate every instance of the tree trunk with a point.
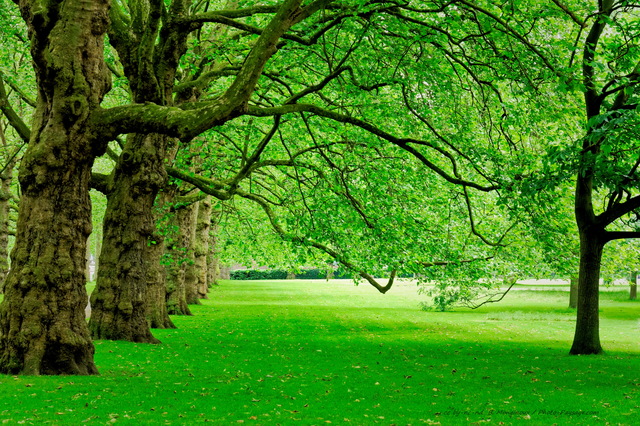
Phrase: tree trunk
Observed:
(42, 320)
(5, 199)
(96, 259)
(587, 334)
(633, 289)
(120, 298)
(188, 230)
(157, 314)
(213, 272)
(177, 257)
(573, 292)
(203, 227)
(224, 272)
(129, 297)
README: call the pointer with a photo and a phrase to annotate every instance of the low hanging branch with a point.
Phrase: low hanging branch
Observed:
(12, 116)
(322, 247)
(491, 297)
(212, 188)
(404, 143)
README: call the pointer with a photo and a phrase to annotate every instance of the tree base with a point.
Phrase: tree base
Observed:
(586, 350)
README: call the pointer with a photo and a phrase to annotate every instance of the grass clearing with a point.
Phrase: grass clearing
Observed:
(317, 352)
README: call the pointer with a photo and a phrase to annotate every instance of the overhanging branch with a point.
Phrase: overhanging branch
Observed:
(403, 143)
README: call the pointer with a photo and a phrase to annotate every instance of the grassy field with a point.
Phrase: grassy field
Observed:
(317, 353)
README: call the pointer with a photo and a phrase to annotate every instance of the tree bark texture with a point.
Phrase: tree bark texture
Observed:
(191, 269)
(42, 319)
(120, 299)
(156, 310)
(203, 227)
(178, 254)
(124, 307)
(213, 264)
(586, 340)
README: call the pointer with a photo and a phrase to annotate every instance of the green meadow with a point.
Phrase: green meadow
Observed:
(318, 352)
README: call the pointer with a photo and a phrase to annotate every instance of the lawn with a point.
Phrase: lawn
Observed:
(317, 352)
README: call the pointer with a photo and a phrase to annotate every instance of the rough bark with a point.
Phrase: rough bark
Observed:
(177, 257)
(42, 319)
(119, 300)
(203, 227)
(129, 295)
(157, 314)
(150, 46)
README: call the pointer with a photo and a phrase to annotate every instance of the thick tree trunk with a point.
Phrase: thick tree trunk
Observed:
(120, 298)
(42, 320)
(633, 289)
(587, 334)
(157, 314)
(203, 227)
(177, 257)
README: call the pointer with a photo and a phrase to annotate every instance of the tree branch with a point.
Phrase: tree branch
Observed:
(490, 298)
(569, 12)
(400, 142)
(454, 262)
(31, 102)
(617, 211)
(620, 235)
(514, 33)
(592, 99)
(14, 119)
(215, 189)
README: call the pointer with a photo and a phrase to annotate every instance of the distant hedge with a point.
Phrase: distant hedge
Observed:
(277, 274)
(258, 274)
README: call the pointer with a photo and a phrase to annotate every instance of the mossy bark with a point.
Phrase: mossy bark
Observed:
(129, 297)
(157, 314)
(42, 319)
(119, 300)
(179, 254)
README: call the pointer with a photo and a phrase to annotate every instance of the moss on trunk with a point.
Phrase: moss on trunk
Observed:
(119, 301)
(42, 321)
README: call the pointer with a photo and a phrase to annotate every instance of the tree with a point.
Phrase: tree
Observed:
(608, 160)
(589, 70)
(42, 325)
(152, 46)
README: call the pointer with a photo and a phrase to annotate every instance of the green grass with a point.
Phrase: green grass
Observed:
(316, 352)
